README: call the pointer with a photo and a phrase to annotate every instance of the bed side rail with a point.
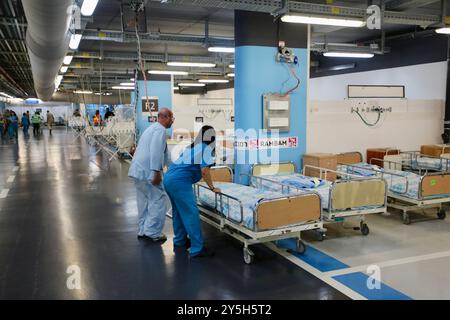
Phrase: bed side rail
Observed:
(383, 174)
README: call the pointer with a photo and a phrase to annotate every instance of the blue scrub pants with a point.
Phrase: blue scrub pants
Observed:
(185, 215)
(152, 206)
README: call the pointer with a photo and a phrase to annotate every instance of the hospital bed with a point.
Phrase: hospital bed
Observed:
(353, 196)
(415, 161)
(254, 216)
(407, 191)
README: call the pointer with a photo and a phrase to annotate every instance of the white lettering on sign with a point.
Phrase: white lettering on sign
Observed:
(374, 20)
(277, 143)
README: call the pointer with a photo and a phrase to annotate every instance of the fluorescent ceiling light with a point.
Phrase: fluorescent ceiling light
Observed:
(323, 21)
(214, 80)
(132, 79)
(127, 84)
(122, 88)
(64, 69)
(6, 95)
(231, 75)
(231, 66)
(348, 55)
(221, 49)
(191, 64)
(67, 59)
(74, 41)
(103, 94)
(88, 7)
(82, 92)
(445, 30)
(175, 73)
(58, 80)
(191, 84)
(176, 88)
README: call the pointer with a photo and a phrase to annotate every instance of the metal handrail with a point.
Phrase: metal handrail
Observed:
(221, 195)
(383, 173)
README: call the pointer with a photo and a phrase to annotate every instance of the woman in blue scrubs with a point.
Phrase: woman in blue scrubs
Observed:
(193, 164)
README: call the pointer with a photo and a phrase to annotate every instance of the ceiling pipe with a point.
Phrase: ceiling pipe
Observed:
(47, 41)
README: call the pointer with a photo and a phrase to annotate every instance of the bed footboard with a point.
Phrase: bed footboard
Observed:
(277, 213)
(435, 185)
(347, 194)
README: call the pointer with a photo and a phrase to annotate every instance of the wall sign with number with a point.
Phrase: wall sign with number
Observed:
(151, 105)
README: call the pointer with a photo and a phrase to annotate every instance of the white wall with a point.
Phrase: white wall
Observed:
(185, 109)
(415, 120)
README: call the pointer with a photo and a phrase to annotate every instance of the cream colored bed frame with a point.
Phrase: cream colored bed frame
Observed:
(347, 198)
(431, 185)
(275, 219)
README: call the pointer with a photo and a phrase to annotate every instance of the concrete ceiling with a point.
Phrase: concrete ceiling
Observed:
(168, 19)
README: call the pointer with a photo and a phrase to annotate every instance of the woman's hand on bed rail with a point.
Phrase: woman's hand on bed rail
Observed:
(216, 190)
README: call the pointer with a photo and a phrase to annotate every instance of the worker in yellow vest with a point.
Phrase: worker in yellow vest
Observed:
(97, 119)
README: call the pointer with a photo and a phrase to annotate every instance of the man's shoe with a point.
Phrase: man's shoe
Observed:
(205, 252)
(186, 245)
(161, 238)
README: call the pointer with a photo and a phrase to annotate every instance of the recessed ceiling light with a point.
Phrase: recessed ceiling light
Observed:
(323, 21)
(191, 64)
(348, 55)
(221, 49)
(191, 84)
(175, 73)
(214, 80)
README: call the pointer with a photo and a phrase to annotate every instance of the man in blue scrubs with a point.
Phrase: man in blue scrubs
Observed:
(146, 170)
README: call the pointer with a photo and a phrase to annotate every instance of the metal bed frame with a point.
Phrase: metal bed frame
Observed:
(413, 155)
(237, 230)
(329, 215)
(398, 201)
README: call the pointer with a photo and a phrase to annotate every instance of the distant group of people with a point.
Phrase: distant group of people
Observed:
(9, 123)
(97, 118)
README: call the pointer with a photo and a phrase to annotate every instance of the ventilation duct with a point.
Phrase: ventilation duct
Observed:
(47, 41)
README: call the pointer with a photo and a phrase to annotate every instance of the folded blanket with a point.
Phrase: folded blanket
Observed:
(363, 169)
(303, 182)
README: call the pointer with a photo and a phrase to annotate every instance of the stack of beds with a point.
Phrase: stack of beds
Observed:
(407, 190)
(340, 199)
(252, 215)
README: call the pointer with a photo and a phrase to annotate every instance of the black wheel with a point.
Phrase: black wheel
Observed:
(320, 236)
(364, 229)
(248, 256)
(441, 214)
(300, 247)
(406, 219)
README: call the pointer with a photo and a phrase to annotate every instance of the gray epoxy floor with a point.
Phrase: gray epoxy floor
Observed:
(69, 207)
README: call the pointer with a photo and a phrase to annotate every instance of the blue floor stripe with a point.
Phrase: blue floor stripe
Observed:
(358, 282)
(317, 259)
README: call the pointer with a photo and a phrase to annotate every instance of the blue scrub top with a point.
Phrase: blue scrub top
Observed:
(25, 121)
(187, 168)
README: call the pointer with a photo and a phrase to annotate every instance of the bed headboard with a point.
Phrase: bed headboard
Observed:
(221, 174)
(273, 169)
(349, 157)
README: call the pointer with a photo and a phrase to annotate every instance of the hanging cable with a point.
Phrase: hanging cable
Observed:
(367, 123)
(141, 64)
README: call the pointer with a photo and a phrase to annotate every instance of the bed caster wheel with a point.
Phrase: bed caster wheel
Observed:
(249, 256)
(300, 247)
(320, 236)
(406, 219)
(442, 214)
(364, 229)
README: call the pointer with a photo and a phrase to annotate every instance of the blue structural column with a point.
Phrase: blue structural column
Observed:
(259, 73)
(158, 86)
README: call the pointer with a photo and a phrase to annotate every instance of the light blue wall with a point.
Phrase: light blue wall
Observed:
(2, 107)
(257, 73)
(161, 89)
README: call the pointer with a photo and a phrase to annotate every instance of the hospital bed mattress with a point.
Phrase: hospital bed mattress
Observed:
(323, 190)
(396, 183)
(230, 208)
